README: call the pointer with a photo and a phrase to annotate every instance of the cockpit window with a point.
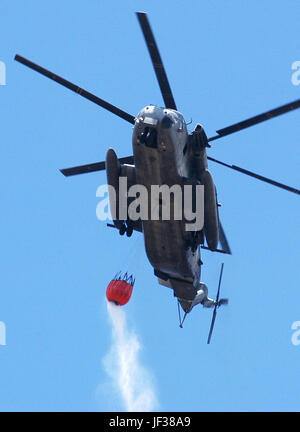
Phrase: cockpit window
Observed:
(180, 126)
(166, 122)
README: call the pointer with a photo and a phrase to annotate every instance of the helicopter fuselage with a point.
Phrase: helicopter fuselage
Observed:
(164, 155)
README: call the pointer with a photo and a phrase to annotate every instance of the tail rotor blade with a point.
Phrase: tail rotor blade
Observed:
(212, 325)
(220, 280)
(216, 305)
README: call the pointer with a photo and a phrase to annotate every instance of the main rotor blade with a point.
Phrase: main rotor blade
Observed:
(113, 109)
(156, 61)
(97, 166)
(223, 240)
(257, 176)
(257, 119)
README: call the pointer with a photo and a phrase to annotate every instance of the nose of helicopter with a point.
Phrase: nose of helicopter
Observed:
(153, 116)
(152, 121)
(150, 116)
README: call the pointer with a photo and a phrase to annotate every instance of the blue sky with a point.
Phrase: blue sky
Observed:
(226, 61)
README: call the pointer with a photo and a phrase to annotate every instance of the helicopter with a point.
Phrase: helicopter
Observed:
(166, 153)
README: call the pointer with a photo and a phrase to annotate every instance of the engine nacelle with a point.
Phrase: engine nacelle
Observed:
(114, 170)
(211, 214)
(198, 140)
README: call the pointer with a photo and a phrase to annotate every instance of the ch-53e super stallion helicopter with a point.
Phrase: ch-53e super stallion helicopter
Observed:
(165, 153)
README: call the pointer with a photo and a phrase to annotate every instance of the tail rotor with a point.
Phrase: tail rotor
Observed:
(218, 303)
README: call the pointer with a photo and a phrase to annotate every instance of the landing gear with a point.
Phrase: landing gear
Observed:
(123, 229)
(181, 320)
(193, 242)
(128, 229)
